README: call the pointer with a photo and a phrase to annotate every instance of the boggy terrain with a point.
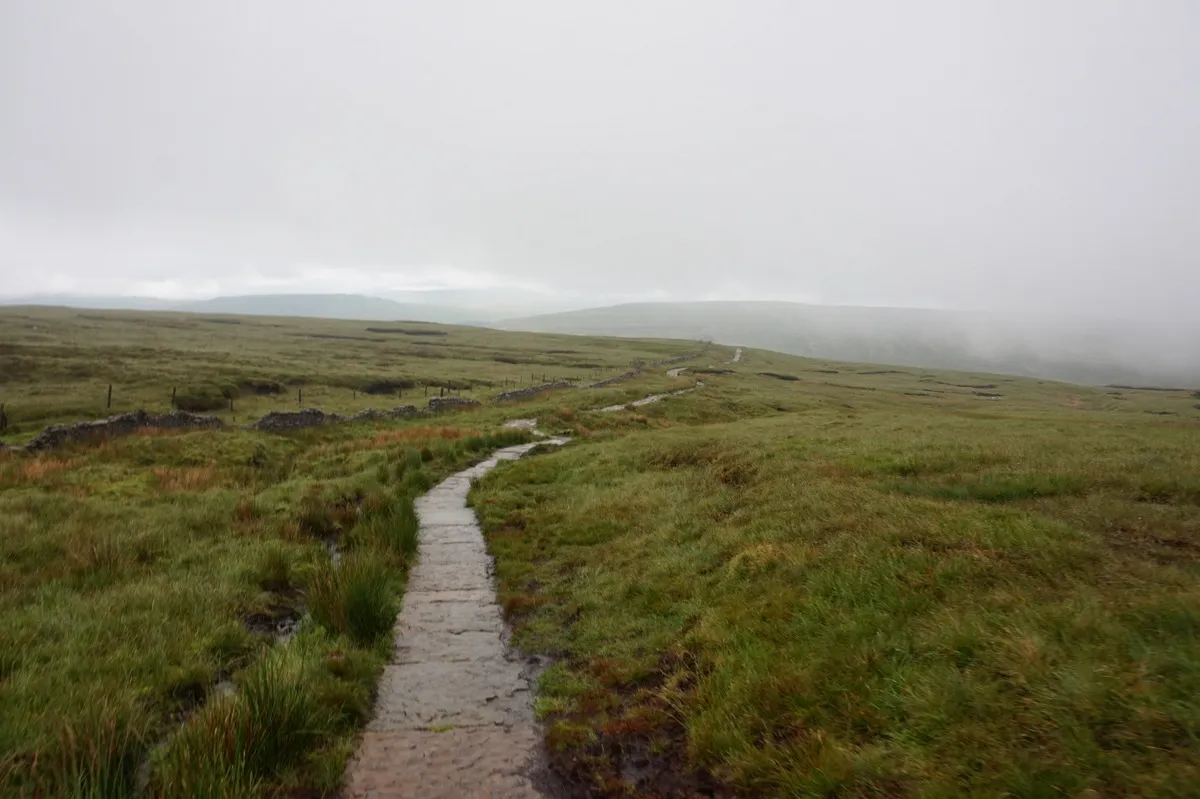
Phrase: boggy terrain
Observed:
(861, 580)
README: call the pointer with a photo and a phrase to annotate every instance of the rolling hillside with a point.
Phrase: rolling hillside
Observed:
(1077, 350)
(322, 306)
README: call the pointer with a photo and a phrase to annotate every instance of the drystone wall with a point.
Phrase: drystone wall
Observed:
(677, 359)
(125, 424)
(525, 393)
(313, 417)
(612, 381)
(438, 404)
(120, 425)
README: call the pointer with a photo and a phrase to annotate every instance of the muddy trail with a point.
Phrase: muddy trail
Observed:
(454, 715)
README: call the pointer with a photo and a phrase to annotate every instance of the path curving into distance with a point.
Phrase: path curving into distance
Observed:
(648, 399)
(454, 715)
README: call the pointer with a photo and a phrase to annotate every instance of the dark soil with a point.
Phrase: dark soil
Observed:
(777, 376)
(388, 386)
(261, 387)
(639, 748)
(278, 621)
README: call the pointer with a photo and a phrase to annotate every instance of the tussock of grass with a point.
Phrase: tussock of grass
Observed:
(238, 742)
(99, 753)
(393, 530)
(275, 570)
(359, 598)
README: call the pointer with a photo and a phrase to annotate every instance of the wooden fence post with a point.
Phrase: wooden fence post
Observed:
(173, 396)
(299, 397)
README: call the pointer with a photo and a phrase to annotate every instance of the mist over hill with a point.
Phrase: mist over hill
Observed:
(1081, 350)
(326, 306)
(333, 306)
(1077, 349)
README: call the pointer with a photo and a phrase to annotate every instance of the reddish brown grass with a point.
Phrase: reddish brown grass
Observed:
(37, 469)
(190, 478)
(411, 435)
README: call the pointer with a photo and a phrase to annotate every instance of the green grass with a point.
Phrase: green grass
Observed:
(359, 598)
(237, 742)
(139, 574)
(806, 589)
(863, 582)
(56, 363)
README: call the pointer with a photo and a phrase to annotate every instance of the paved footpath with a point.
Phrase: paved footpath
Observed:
(454, 716)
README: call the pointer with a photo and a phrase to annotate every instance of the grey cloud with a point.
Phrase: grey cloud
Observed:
(1002, 156)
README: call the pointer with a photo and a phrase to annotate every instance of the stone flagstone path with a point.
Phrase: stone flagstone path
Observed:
(454, 717)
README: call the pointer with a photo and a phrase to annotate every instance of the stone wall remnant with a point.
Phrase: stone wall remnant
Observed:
(123, 424)
(437, 404)
(526, 393)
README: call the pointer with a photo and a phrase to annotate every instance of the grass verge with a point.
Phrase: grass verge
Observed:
(194, 637)
(861, 600)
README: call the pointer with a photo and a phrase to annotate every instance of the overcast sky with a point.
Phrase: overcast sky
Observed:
(962, 154)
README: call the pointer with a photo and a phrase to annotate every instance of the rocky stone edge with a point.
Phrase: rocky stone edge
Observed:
(313, 417)
(449, 403)
(525, 393)
(124, 424)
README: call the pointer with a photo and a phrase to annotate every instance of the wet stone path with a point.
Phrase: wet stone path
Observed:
(454, 716)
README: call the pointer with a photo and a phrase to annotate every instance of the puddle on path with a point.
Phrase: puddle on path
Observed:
(454, 716)
(525, 424)
(648, 399)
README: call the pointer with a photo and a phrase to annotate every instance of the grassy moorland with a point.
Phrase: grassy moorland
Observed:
(56, 364)
(801, 578)
(172, 618)
(864, 582)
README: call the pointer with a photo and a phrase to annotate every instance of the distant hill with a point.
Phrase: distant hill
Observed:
(113, 302)
(328, 306)
(331, 306)
(1077, 350)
